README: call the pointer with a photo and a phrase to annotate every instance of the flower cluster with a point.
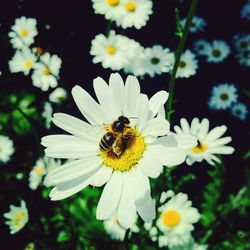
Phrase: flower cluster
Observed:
(198, 24)
(225, 96)
(44, 66)
(242, 46)
(245, 11)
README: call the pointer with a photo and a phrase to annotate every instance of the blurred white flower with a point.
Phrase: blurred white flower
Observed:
(210, 143)
(22, 61)
(188, 65)
(114, 229)
(223, 96)
(17, 217)
(242, 42)
(23, 32)
(198, 24)
(157, 60)
(245, 11)
(47, 114)
(58, 95)
(240, 111)
(46, 71)
(42, 167)
(217, 51)
(6, 148)
(190, 245)
(200, 46)
(135, 13)
(243, 57)
(176, 221)
(124, 170)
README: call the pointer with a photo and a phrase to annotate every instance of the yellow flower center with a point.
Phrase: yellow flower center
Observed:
(24, 32)
(28, 64)
(39, 170)
(200, 148)
(111, 50)
(130, 6)
(171, 218)
(113, 2)
(46, 71)
(20, 216)
(133, 148)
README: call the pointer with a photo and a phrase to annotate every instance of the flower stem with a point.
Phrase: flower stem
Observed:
(169, 109)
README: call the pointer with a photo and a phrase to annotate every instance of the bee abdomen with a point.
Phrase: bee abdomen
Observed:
(107, 142)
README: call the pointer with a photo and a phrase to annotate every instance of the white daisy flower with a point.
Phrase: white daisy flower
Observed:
(223, 96)
(217, 51)
(114, 229)
(47, 114)
(157, 60)
(240, 111)
(46, 71)
(22, 61)
(58, 95)
(23, 32)
(176, 221)
(200, 47)
(42, 167)
(190, 245)
(242, 42)
(135, 13)
(209, 142)
(245, 11)
(109, 51)
(17, 217)
(188, 65)
(111, 9)
(198, 24)
(119, 147)
(243, 57)
(6, 148)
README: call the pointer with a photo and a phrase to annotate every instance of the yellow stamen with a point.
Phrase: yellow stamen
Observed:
(200, 148)
(46, 71)
(113, 2)
(20, 216)
(130, 6)
(24, 32)
(133, 149)
(28, 64)
(171, 218)
(39, 170)
(111, 50)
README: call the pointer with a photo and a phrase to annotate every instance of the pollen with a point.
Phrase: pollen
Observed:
(111, 50)
(20, 216)
(113, 2)
(132, 152)
(171, 218)
(39, 170)
(130, 6)
(24, 32)
(28, 64)
(46, 71)
(200, 148)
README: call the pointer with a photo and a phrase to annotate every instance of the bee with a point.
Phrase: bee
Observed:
(116, 135)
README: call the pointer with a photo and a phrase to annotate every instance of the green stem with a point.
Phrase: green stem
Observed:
(109, 26)
(178, 53)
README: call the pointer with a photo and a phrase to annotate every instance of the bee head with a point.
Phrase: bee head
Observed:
(124, 119)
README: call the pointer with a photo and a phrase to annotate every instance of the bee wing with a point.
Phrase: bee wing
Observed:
(118, 145)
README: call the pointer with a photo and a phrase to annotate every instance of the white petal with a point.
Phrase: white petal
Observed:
(76, 151)
(105, 98)
(110, 197)
(126, 208)
(221, 150)
(91, 110)
(66, 189)
(194, 127)
(185, 141)
(157, 101)
(185, 126)
(204, 127)
(156, 127)
(220, 142)
(150, 165)
(75, 126)
(132, 92)
(178, 129)
(216, 133)
(73, 169)
(161, 113)
(142, 111)
(101, 176)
